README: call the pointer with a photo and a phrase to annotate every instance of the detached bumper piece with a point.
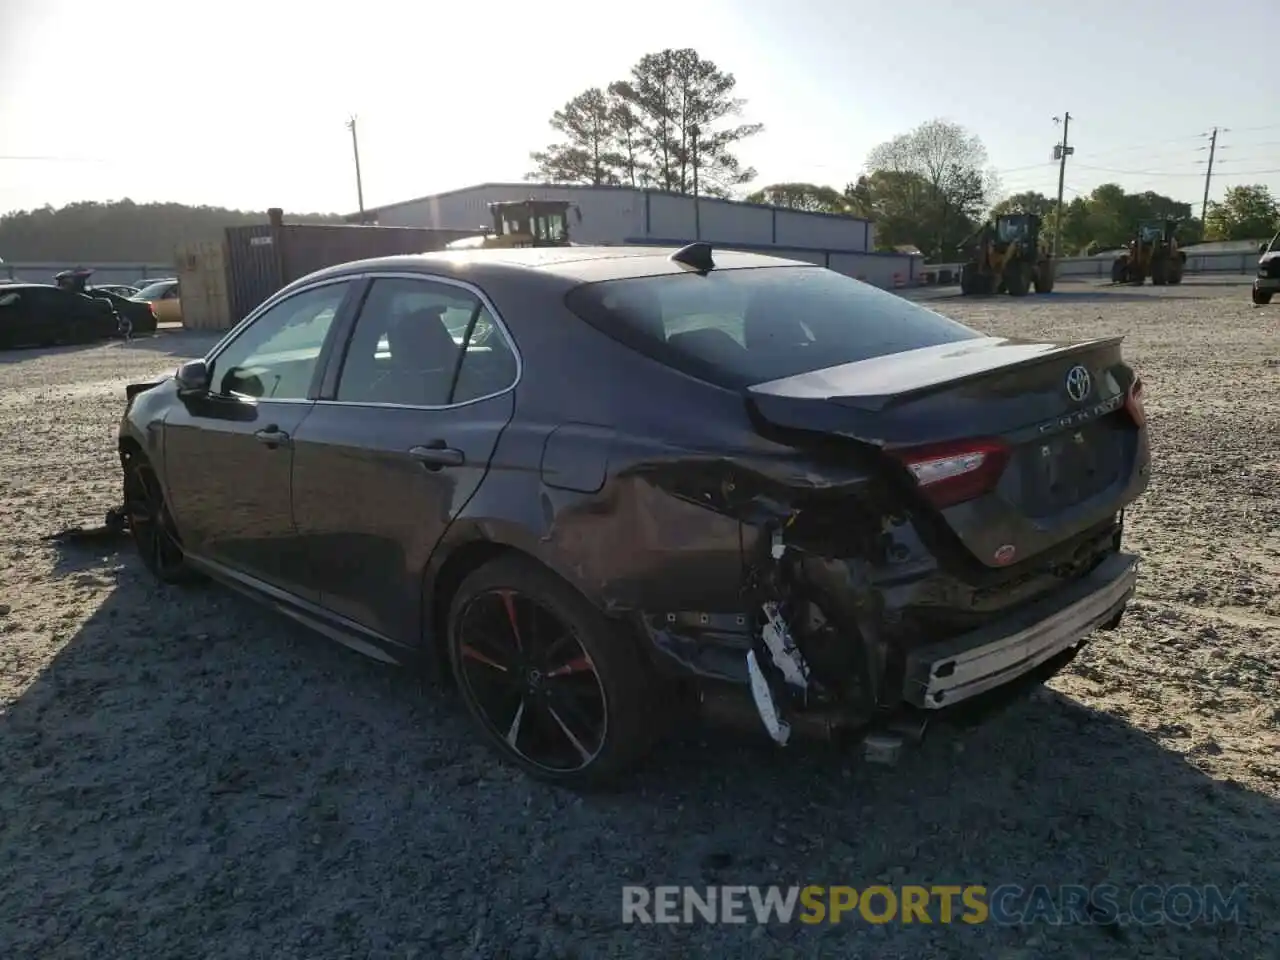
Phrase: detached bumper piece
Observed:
(941, 674)
(783, 666)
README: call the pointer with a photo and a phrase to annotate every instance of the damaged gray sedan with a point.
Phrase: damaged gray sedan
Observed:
(593, 485)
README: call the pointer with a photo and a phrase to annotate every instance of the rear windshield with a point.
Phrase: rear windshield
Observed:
(155, 291)
(736, 328)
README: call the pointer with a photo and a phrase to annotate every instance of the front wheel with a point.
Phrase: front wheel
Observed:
(553, 685)
(1017, 280)
(1262, 297)
(150, 523)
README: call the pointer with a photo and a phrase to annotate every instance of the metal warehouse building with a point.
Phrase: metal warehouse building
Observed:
(631, 215)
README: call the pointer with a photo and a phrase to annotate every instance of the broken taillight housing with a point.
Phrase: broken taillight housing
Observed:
(951, 473)
(1133, 403)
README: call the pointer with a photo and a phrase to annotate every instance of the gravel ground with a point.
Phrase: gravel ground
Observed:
(185, 775)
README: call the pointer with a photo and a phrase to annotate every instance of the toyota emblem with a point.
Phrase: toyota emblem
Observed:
(1079, 383)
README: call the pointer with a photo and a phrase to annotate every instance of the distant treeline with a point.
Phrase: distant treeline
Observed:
(121, 231)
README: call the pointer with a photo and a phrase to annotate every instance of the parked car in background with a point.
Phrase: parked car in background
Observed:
(37, 314)
(1267, 282)
(139, 313)
(119, 289)
(165, 299)
(595, 484)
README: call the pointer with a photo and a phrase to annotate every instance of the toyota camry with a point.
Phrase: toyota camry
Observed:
(592, 486)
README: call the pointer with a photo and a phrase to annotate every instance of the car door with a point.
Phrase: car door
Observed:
(48, 319)
(16, 319)
(228, 455)
(398, 443)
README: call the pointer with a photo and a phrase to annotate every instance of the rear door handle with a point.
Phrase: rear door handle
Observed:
(272, 436)
(435, 455)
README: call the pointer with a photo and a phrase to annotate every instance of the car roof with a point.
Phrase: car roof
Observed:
(20, 285)
(574, 265)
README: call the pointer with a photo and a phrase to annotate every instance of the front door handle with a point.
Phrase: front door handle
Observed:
(272, 436)
(435, 455)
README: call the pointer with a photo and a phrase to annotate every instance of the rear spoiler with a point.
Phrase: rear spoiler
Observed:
(1068, 350)
(875, 402)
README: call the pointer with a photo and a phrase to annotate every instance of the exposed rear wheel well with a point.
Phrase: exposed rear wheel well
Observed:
(460, 564)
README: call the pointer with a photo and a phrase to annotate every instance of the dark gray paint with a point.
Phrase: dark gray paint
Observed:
(660, 510)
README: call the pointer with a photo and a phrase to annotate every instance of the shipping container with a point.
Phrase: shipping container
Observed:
(262, 258)
(202, 284)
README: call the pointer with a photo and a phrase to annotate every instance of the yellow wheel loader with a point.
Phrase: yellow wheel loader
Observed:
(523, 223)
(1153, 252)
(1005, 256)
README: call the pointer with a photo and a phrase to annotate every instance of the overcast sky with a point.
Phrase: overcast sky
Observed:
(243, 104)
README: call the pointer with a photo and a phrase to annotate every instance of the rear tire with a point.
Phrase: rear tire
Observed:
(1261, 297)
(1044, 278)
(555, 687)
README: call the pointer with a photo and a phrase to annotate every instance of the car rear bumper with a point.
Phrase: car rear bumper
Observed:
(941, 674)
(1266, 283)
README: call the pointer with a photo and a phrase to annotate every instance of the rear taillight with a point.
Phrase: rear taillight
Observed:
(952, 473)
(1133, 403)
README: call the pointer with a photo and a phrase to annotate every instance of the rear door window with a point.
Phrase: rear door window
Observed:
(423, 343)
(736, 328)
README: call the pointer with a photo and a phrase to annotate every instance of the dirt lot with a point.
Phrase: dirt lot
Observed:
(183, 775)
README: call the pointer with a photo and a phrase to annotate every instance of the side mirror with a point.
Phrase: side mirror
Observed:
(1262, 247)
(194, 377)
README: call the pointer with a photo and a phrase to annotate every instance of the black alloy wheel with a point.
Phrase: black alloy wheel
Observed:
(555, 688)
(150, 524)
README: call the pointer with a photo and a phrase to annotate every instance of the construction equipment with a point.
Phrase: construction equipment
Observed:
(523, 223)
(1006, 257)
(1153, 252)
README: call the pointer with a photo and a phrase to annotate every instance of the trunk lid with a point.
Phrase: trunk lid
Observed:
(1006, 442)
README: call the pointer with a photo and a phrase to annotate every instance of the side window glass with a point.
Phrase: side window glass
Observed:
(489, 365)
(275, 357)
(408, 342)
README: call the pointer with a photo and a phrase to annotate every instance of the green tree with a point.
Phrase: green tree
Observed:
(1029, 201)
(1108, 217)
(901, 204)
(810, 197)
(950, 183)
(586, 154)
(670, 120)
(1245, 213)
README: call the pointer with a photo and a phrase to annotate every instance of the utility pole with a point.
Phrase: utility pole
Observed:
(355, 149)
(1213, 146)
(1060, 153)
